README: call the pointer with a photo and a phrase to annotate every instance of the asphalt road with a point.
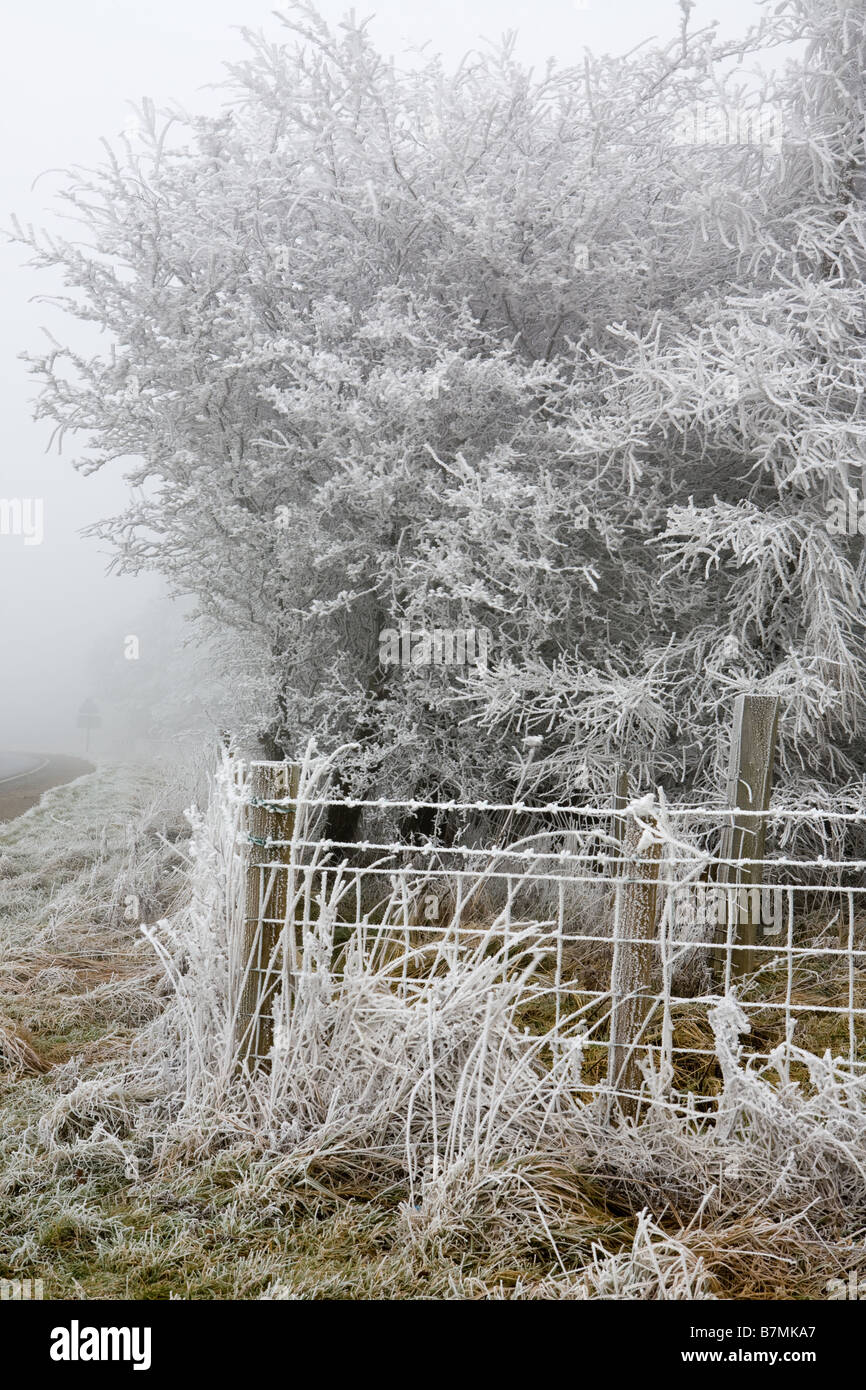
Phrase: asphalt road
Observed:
(15, 765)
(25, 776)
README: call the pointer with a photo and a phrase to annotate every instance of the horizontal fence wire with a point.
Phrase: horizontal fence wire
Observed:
(706, 812)
(565, 902)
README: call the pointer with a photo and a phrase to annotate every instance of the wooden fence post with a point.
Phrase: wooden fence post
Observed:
(632, 969)
(750, 782)
(266, 905)
(620, 800)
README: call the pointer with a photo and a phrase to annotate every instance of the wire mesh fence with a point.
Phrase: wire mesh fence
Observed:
(619, 927)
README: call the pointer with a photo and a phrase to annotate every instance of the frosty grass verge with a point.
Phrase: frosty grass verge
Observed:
(436, 1108)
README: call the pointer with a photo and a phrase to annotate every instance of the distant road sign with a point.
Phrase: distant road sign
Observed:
(89, 718)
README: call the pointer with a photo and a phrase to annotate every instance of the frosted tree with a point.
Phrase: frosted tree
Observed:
(477, 350)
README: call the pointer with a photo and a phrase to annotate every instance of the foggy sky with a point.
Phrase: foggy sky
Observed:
(67, 74)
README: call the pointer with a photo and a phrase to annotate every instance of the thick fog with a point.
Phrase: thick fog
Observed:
(68, 73)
